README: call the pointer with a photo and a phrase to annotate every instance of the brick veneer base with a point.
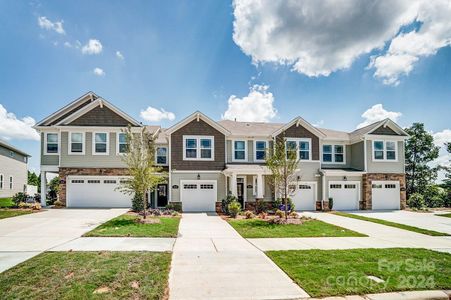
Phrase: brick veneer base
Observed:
(64, 172)
(367, 182)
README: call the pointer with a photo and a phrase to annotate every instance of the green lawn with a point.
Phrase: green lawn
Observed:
(6, 202)
(126, 225)
(343, 272)
(392, 224)
(444, 215)
(255, 228)
(8, 213)
(76, 275)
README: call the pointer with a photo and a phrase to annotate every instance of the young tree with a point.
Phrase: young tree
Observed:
(140, 160)
(33, 179)
(283, 163)
(420, 151)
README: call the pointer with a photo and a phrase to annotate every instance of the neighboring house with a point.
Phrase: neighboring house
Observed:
(13, 170)
(207, 160)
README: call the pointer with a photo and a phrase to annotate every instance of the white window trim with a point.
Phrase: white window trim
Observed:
(245, 150)
(2, 181)
(384, 150)
(297, 140)
(45, 142)
(198, 151)
(94, 143)
(244, 187)
(69, 149)
(11, 182)
(156, 155)
(117, 143)
(333, 154)
(255, 149)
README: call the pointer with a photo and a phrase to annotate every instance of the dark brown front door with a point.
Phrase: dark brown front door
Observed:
(240, 193)
(162, 195)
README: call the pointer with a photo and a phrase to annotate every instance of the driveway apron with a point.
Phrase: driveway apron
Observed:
(212, 261)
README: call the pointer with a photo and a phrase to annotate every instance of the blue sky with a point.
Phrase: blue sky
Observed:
(181, 56)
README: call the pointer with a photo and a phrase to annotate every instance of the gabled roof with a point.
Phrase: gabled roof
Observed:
(250, 128)
(197, 115)
(300, 121)
(358, 133)
(11, 147)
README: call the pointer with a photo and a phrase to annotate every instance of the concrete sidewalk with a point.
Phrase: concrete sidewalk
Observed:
(380, 236)
(212, 261)
(117, 244)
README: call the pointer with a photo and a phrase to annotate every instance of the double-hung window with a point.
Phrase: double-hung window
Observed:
(121, 143)
(260, 150)
(76, 143)
(239, 151)
(10, 182)
(198, 148)
(162, 155)
(51, 143)
(333, 154)
(299, 147)
(1, 181)
(100, 144)
(384, 151)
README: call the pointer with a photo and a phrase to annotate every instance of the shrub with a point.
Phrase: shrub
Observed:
(24, 205)
(293, 215)
(176, 206)
(248, 214)
(156, 212)
(261, 206)
(175, 214)
(137, 202)
(58, 203)
(416, 200)
(434, 196)
(279, 213)
(234, 208)
(225, 203)
(278, 221)
(263, 215)
(279, 203)
(331, 203)
(36, 206)
(19, 197)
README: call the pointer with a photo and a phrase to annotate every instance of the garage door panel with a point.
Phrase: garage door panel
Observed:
(345, 194)
(304, 196)
(95, 191)
(385, 195)
(198, 195)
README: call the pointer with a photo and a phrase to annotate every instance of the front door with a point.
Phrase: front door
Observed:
(240, 193)
(162, 195)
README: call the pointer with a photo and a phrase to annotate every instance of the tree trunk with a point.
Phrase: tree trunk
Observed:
(144, 205)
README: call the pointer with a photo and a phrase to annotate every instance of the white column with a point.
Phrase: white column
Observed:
(43, 188)
(260, 187)
(233, 187)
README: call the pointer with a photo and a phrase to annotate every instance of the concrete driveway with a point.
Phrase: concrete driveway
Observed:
(416, 219)
(25, 236)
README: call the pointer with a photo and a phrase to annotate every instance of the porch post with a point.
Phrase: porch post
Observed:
(233, 187)
(43, 188)
(260, 187)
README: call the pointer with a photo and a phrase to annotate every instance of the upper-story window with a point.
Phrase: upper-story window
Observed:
(300, 146)
(239, 151)
(162, 155)
(1, 181)
(198, 147)
(11, 153)
(100, 144)
(76, 143)
(260, 150)
(10, 182)
(384, 151)
(333, 154)
(51, 143)
(121, 143)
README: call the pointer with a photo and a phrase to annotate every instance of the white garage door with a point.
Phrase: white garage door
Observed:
(304, 196)
(345, 194)
(198, 195)
(385, 194)
(95, 191)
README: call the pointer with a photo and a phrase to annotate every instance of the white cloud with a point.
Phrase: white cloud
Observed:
(444, 159)
(319, 123)
(92, 47)
(98, 72)
(257, 106)
(317, 38)
(57, 26)
(152, 114)
(67, 44)
(378, 113)
(119, 55)
(13, 128)
(407, 48)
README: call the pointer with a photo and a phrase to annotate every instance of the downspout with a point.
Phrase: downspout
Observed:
(323, 186)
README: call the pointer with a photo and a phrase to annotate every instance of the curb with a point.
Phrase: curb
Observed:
(411, 295)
